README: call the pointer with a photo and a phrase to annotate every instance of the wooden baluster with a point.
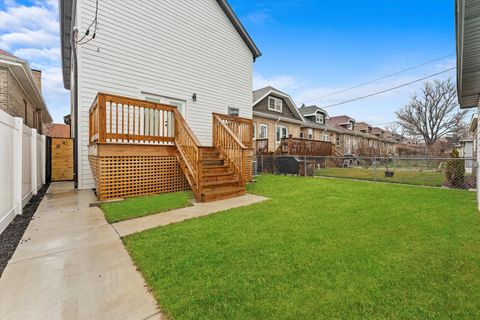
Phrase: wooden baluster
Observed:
(123, 123)
(128, 124)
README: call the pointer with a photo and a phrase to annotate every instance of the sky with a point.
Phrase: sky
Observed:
(310, 48)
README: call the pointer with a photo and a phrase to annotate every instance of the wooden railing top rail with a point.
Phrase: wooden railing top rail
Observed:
(132, 101)
(233, 118)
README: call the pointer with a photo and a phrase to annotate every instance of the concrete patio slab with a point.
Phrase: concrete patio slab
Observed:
(71, 264)
(128, 227)
(58, 187)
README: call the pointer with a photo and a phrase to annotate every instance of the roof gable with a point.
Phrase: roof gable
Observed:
(67, 10)
(312, 110)
(260, 94)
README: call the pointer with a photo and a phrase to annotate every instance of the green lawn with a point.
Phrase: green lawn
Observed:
(424, 178)
(321, 249)
(142, 206)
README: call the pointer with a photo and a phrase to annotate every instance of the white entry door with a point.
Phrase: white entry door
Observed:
(180, 104)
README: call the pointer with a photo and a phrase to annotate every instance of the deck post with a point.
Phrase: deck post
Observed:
(102, 119)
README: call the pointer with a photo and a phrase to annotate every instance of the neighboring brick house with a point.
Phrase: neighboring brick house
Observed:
(361, 138)
(21, 93)
(275, 116)
(315, 126)
(57, 130)
(347, 138)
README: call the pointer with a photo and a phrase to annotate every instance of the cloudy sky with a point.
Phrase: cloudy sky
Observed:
(310, 48)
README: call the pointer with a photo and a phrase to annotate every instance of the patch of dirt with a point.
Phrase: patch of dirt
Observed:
(12, 235)
(468, 183)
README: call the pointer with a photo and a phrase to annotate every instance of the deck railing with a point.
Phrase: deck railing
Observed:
(116, 119)
(189, 148)
(236, 154)
(241, 127)
(261, 146)
(304, 147)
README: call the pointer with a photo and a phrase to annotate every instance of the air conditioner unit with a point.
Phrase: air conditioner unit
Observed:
(255, 168)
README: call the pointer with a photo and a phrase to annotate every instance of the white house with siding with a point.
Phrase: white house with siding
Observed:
(195, 55)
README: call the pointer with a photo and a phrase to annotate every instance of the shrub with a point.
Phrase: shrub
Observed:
(455, 171)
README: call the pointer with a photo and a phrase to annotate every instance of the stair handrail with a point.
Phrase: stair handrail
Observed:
(189, 146)
(232, 148)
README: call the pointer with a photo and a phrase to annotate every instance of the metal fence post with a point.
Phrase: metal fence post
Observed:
(375, 168)
(304, 165)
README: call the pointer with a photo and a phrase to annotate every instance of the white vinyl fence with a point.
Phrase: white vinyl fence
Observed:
(22, 166)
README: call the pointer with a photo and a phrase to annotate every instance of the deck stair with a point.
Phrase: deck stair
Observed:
(218, 181)
(337, 157)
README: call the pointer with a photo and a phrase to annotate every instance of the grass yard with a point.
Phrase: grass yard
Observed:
(425, 178)
(143, 206)
(321, 249)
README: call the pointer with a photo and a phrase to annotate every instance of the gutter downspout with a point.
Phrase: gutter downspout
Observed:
(75, 95)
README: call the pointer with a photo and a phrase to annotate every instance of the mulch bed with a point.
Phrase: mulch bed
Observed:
(12, 235)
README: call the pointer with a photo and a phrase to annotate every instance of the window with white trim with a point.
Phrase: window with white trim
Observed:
(235, 112)
(275, 104)
(326, 137)
(263, 132)
(338, 141)
(310, 134)
(281, 133)
(319, 118)
(350, 125)
(254, 131)
(301, 135)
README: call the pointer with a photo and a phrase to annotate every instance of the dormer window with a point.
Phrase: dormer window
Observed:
(319, 118)
(350, 125)
(275, 104)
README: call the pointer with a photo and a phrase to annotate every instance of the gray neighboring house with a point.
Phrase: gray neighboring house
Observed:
(467, 16)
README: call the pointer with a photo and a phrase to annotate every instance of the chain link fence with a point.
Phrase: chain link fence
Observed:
(457, 173)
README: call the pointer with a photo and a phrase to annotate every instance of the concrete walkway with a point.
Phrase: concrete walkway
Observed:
(128, 227)
(71, 264)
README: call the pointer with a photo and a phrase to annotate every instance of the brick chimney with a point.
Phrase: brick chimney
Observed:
(37, 76)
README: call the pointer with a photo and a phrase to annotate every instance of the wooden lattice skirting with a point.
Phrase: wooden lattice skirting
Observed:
(130, 176)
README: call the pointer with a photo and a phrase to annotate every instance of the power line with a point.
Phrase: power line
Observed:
(383, 77)
(387, 90)
(87, 32)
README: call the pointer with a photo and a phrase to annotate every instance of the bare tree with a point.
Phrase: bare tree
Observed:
(393, 127)
(434, 113)
(396, 128)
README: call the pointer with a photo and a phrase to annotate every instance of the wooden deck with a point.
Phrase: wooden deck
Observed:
(139, 147)
(296, 147)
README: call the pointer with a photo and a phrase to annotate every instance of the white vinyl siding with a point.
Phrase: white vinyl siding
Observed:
(275, 104)
(169, 48)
